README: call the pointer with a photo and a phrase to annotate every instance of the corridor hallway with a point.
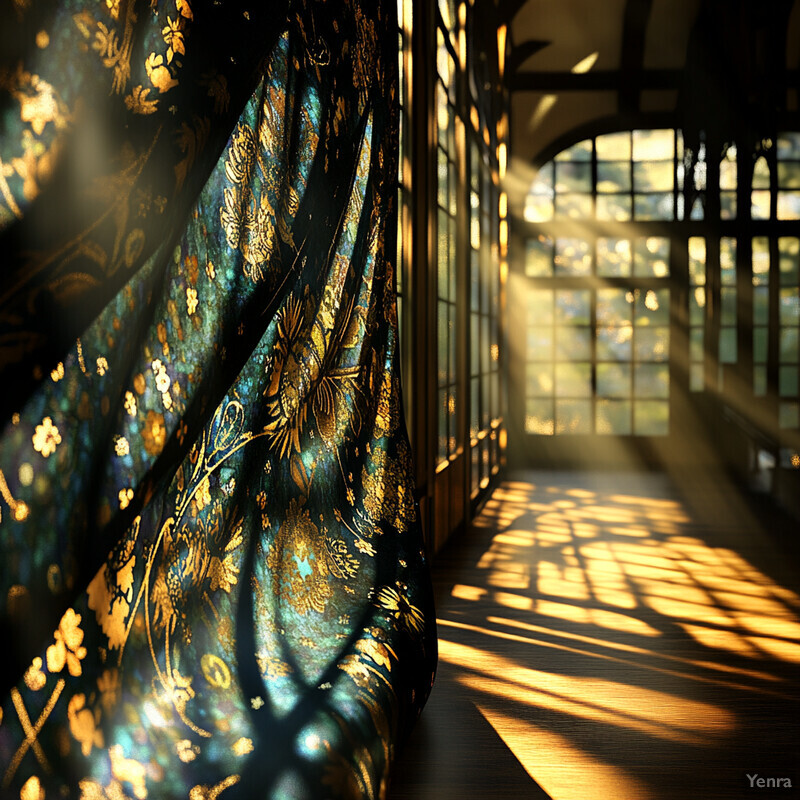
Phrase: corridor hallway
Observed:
(607, 636)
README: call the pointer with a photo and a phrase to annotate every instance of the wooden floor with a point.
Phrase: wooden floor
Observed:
(610, 637)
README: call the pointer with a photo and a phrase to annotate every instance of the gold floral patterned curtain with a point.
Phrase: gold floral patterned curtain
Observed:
(213, 577)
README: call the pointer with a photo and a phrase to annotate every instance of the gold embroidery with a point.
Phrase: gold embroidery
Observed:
(138, 102)
(32, 790)
(298, 562)
(215, 671)
(243, 746)
(67, 649)
(46, 438)
(203, 792)
(187, 752)
(30, 731)
(154, 434)
(127, 769)
(35, 679)
(83, 725)
(18, 508)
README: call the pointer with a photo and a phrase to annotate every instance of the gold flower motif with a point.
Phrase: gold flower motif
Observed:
(173, 36)
(125, 496)
(191, 300)
(186, 750)
(223, 574)
(243, 746)
(67, 648)
(34, 677)
(32, 790)
(102, 366)
(108, 684)
(82, 724)
(154, 433)
(158, 73)
(121, 446)
(46, 438)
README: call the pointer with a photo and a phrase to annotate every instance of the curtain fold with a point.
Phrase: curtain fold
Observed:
(213, 577)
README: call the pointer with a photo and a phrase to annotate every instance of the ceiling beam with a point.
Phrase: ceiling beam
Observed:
(600, 80)
(521, 52)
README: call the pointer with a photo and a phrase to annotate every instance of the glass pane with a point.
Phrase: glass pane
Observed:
(697, 260)
(653, 206)
(790, 306)
(539, 257)
(543, 182)
(788, 145)
(573, 416)
(474, 412)
(573, 344)
(573, 206)
(789, 381)
(651, 380)
(443, 173)
(651, 257)
(789, 415)
(573, 257)
(727, 205)
(697, 378)
(573, 380)
(652, 344)
(651, 418)
(760, 261)
(653, 145)
(614, 207)
(614, 380)
(442, 336)
(474, 350)
(614, 344)
(696, 343)
(760, 204)
(614, 146)
(573, 306)
(653, 176)
(539, 417)
(613, 257)
(613, 176)
(788, 205)
(652, 307)
(727, 174)
(760, 343)
(540, 344)
(614, 306)
(573, 176)
(698, 208)
(697, 305)
(538, 208)
(727, 306)
(789, 175)
(540, 307)
(759, 380)
(727, 346)
(761, 174)
(789, 249)
(582, 151)
(761, 305)
(614, 417)
(540, 380)
(788, 346)
(727, 260)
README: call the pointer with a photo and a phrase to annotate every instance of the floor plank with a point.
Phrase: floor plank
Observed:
(625, 636)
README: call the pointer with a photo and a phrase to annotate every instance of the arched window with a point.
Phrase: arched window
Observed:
(643, 279)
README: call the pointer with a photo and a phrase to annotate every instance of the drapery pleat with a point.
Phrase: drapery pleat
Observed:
(213, 577)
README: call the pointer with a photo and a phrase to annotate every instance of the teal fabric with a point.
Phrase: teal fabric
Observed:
(213, 578)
